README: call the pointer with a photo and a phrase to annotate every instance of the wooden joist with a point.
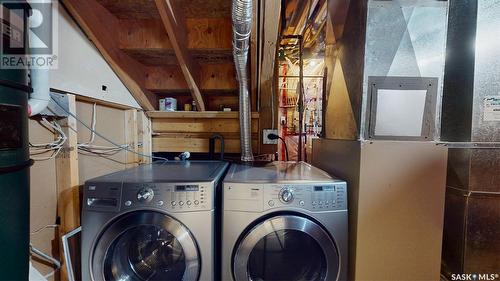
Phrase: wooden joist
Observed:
(101, 26)
(175, 26)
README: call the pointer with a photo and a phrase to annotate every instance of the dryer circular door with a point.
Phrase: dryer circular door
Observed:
(145, 245)
(286, 247)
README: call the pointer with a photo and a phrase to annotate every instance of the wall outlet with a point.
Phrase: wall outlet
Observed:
(265, 139)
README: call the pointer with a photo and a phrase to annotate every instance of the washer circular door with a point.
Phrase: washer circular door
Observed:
(286, 247)
(145, 245)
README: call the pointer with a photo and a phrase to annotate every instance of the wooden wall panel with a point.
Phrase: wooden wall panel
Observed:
(191, 131)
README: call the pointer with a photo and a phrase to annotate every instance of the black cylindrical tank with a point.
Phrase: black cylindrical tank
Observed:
(14, 164)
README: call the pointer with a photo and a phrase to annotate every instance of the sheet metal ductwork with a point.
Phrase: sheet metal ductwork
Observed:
(242, 26)
(471, 240)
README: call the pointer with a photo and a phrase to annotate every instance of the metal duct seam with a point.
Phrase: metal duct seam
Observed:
(242, 26)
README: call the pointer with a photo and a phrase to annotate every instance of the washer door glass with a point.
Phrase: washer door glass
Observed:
(290, 248)
(146, 246)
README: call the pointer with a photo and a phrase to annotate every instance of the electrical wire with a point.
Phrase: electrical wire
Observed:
(43, 228)
(90, 148)
(105, 138)
(54, 147)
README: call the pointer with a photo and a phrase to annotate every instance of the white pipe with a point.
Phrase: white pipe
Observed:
(40, 97)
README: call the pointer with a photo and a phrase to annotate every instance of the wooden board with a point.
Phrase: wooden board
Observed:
(218, 77)
(145, 9)
(174, 24)
(191, 131)
(194, 125)
(204, 8)
(68, 199)
(193, 114)
(160, 79)
(144, 137)
(213, 77)
(131, 138)
(202, 34)
(131, 9)
(268, 70)
(161, 144)
(209, 33)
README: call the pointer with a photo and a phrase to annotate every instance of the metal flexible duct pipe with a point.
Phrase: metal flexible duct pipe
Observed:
(242, 27)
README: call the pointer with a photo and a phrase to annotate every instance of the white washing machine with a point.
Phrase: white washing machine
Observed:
(152, 222)
(283, 221)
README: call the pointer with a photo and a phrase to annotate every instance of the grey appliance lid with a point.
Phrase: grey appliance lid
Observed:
(277, 172)
(171, 171)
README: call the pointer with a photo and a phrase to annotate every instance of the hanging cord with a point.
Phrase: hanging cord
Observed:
(105, 138)
(275, 137)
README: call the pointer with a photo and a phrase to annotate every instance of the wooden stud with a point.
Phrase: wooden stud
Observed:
(131, 138)
(101, 27)
(175, 26)
(272, 10)
(144, 137)
(66, 162)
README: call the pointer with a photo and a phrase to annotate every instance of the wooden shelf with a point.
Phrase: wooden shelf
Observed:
(197, 114)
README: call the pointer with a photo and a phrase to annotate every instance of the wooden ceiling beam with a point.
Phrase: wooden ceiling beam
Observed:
(175, 25)
(100, 26)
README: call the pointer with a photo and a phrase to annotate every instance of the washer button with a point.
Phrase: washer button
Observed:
(173, 203)
(159, 203)
(188, 203)
(301, 203)
(181, 203)
(270, 203)
(196, 202)
(128, 203)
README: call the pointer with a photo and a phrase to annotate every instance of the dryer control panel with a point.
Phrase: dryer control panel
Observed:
(173, 197)
(313, 197)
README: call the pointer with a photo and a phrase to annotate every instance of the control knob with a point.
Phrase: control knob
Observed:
(145, 194)
(286, 195)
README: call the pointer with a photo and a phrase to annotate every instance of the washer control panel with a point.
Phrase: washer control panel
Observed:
(173, 197)
(317, 197)
(329, 196)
